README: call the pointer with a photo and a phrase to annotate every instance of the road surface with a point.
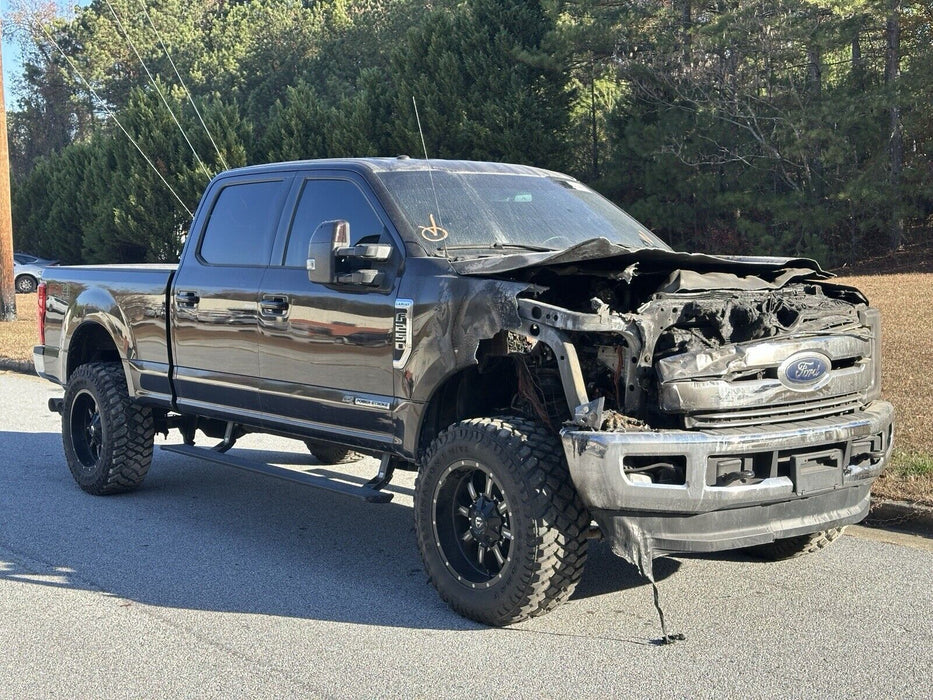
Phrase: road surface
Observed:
(211, 582)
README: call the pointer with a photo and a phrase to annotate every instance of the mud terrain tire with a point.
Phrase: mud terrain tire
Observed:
(791, 547)
(501, 483)
(107, 438)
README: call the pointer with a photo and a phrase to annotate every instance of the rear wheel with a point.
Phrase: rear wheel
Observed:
(107, 438)
(501, 529)
(790, 547)
(332, 454)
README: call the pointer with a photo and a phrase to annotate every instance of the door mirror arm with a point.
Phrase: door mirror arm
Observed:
(374, 252)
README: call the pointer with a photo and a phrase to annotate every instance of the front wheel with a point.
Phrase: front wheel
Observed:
(26, 284)
(501, 529)
(107, 438)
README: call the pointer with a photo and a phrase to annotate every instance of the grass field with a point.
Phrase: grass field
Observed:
(907, 371)
(18, 338)
(906, 377)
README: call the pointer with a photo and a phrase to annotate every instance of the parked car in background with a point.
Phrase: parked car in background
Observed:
(27, 270)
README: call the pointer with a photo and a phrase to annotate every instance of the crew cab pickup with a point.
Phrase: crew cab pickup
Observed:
(550, 368)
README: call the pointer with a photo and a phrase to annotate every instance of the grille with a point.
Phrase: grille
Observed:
(802, 410)
(740, 385)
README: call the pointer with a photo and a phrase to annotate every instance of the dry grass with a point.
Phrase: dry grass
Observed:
(18, 337)
(907, 377)
(907, 368)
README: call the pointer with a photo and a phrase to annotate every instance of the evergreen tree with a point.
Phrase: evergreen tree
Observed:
(772, 126)
(486, 85)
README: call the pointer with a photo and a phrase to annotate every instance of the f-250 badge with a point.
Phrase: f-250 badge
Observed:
(401, 332)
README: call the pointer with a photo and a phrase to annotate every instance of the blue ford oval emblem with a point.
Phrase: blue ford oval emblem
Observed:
(805, 370)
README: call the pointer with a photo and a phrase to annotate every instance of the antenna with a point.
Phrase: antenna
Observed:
(437, 205)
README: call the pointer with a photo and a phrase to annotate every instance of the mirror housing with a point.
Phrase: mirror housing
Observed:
(327, 238)
(365, 278)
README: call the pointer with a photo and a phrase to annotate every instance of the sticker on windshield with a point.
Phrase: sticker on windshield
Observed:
(433, 233)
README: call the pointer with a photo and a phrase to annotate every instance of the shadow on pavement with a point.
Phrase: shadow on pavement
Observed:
(205, 537)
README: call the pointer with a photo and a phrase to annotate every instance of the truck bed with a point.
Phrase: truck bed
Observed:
(129, 301)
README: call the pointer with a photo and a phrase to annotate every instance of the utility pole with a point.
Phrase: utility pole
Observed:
(7, 283)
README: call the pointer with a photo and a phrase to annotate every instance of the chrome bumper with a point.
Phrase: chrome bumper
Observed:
(38, 359)
(596, 461)
(45, 360)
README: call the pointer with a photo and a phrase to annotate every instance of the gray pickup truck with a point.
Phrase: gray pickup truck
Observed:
(541, 359)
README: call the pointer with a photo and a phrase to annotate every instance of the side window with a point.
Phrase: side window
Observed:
(330, 200)
(242, 224)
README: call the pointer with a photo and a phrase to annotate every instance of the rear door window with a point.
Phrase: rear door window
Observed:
(242, 224)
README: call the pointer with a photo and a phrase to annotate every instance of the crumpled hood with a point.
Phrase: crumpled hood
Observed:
(688, 271)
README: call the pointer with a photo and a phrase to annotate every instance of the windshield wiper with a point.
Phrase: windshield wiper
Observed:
(500, 246)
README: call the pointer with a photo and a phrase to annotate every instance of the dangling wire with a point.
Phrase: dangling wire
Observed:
(180, 80)
(113, 116)
(158, 89)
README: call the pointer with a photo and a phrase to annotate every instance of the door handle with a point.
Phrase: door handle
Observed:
(187, 300)
(274, 306)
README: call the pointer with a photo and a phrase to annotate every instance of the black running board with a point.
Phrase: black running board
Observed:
(319, 482)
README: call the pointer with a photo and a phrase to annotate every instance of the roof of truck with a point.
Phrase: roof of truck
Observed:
(399, 163)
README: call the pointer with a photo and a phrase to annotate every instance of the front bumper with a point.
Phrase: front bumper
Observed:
(820, 476)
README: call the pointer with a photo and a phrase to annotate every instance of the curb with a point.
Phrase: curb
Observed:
(21, 366)
(900, 515)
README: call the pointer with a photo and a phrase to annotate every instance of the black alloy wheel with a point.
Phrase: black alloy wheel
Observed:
(86, 431)
(472, 523)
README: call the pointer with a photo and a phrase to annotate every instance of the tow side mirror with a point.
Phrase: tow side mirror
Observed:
(330, 241)
(326, 239)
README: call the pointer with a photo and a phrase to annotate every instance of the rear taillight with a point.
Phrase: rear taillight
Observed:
(40, 300)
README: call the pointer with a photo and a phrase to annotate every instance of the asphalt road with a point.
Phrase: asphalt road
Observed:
(211, 582)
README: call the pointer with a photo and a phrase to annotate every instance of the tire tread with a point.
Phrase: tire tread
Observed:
(131, 430)
(560, 520)
(793, 547)
(332, 454)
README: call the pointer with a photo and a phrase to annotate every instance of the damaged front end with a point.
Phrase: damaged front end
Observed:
(716, 402)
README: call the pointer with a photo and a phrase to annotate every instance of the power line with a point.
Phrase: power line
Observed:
(180, 80)
(158, 89)
(114, 117)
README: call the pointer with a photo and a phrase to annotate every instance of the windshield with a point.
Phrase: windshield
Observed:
(483, 211)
